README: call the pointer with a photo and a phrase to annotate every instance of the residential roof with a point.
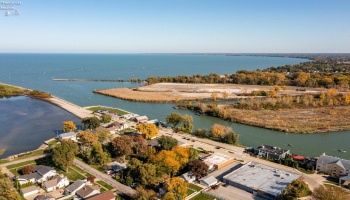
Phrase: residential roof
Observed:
(85, 191)
(117, 165)
(334, 160)
(298, 157)
(209, 180)
(271, 149)
(53, 182)
(345, 178)
(153, 142)
(103, 196)
(34, 175)
(42, 169)
(69, 134)
(262, 177)
(29, 189)
(188, 176)
(74, 186)
(215, 159)
(44, 197)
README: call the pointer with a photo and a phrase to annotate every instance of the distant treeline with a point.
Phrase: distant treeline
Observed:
(9, 91)
(318, 73)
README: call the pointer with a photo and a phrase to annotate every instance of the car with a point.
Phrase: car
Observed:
(188, 139)
(134, 185)
(109, 172)
(183, 137)
(217, 147)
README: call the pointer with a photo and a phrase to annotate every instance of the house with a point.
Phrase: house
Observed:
(188, 177)
(74, 187)
(41, 173)
(108, 195)
(130, 115)
(55, 183)
(44, 197)
(87, 191)
(117, 166)
(27, 191)
(153, 143)
(268, 151)
(140, 119)
(208, 181)
(66, 136)
(117, 126)
(217, 161)
(333, 166)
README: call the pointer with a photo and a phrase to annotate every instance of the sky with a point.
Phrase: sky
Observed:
(176, 26)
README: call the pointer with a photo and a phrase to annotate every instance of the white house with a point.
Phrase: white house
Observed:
(70, 135)
(87, 191)
(208, 181)
(27, 191)
(55, 183)
(333, 166)
(74, 187)
(188, 177)
(41, 173)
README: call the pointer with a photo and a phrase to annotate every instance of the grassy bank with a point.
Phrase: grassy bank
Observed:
(117, 111)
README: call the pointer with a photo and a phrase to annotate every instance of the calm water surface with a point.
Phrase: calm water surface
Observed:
(35, 71)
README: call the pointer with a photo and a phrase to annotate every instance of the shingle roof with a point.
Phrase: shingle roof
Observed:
(42, 169)
(53, 182)
(103, 196)
(331, 159)
(44, 197)
(271, 149)
(34, 175)
(85, 191)
(74, 186)
(29, 189)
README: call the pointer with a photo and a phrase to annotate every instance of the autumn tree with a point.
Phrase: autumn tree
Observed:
(105, 118)
(148, 130)
(97, 155)
(198, 168)
(214, 95)
(225, 95)
(277, 88)
(174, 119)
(187, 123)
(68, 126)
(143, 194)
(330, 193)
(90, 122)
(347, 99)
(7, 191)
(122, 145)
(231, 138)
(104, 136)
(295, 190)
(177, 186)
(167, 142)
(219, 131)
(64, 153)
(200, 132)
(86, 139)
(166, 162)
(28, 169)
(182, 154)
(140, 145)
(144, 173)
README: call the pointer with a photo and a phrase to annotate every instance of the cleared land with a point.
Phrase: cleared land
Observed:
(173, 92)
(323, 119)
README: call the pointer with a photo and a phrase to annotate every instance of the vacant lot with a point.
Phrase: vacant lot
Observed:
(173, 92)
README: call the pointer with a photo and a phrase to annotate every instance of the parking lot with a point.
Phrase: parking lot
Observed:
(230, 192)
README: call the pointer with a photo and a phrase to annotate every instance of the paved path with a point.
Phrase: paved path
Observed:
(5, 170)
(121, 188)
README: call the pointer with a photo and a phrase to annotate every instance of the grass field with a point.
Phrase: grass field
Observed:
(189, 192)
(105, 185)
(95, 108)
(202, 196)
(194, 187)
(21, 164)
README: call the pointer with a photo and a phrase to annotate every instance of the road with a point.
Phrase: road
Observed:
(121, 188)
(313, 180)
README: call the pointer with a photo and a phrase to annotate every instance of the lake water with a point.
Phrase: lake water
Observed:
(35, 71)
(26, 123)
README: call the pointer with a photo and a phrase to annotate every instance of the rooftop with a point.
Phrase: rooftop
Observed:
(29, 189)
(74, 186)
(216, 159)
(261, 177)
(44, 197)
(69, 134)
(271, 149)
(331, 159)
(103, 196)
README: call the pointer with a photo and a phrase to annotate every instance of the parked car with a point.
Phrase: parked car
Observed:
(217, 147)
(134, 185)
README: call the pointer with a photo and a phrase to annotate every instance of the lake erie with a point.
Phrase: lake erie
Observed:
(35, 71)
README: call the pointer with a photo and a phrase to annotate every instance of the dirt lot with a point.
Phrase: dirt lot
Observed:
(173, 92)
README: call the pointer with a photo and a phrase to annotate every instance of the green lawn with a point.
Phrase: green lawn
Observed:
(117, 111)
(194, 187)
(105, 185)
(21, 164)
(202, 196)
(72, 174)
(189, 192)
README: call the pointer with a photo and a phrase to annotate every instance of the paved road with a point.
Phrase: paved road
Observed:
(5, 170)
(313, 180)
(121, 188)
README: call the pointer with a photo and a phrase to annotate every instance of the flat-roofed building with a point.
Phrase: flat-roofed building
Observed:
(217, 161)
(261, 180)
(268, 151)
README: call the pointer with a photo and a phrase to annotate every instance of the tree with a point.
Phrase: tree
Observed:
(64, 154)
(330, 193)
(105, 118)
(225, 95)
(177, 186)
(231, 138)
(86, 139)
(143, 194)
(277, 88)
(198, 168)
(166, 161)
(182, 154)
(167, 142)
(140, 144)
(169, 196)
(193, 154)
(90, 122)
(97, 155)
(174, 119)
(68, 126)
(103, 136)
(219, 131)
(295, 190)
(27, 169)
(122, 145)
(7, 191)
(148, 130)
(187, 121)
(201, 132)
(214, 95)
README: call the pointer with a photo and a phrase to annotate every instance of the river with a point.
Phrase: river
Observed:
(35, 71)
